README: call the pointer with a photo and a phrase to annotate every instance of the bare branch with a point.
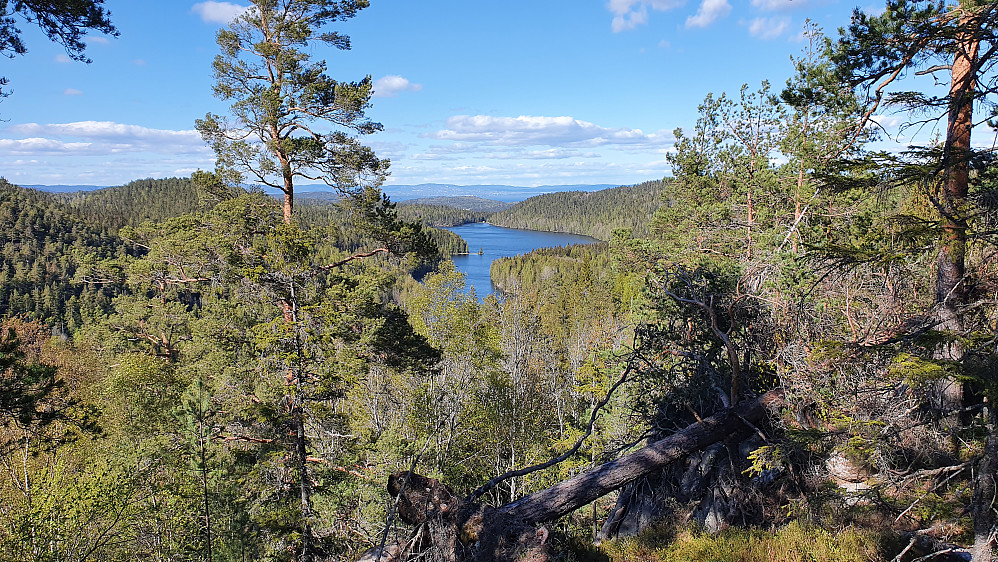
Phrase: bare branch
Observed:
(560, 458)
(352, 258)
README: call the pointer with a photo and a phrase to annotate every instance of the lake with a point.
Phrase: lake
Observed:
(498, 242)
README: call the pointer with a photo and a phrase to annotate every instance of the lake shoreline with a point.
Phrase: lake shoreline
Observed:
(494, 242)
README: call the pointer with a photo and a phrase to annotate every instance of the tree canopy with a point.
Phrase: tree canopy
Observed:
(951, 42)
(284, 104)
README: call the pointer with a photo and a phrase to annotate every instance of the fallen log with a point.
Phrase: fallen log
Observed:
(565, 497)
(459, 529)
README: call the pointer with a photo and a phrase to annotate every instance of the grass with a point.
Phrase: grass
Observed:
(795, 542)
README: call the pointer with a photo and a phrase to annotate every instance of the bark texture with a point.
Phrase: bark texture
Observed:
(453, 529)
(566, 497)
(985, 499)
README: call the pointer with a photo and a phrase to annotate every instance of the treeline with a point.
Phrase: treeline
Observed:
(440, 215)
(47, 237)
(596, 214)
(151, 432)
(159, 427)
(466, 202)
(253, 384)
(336, 219)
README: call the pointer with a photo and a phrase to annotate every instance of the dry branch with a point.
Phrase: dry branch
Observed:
(565, 497)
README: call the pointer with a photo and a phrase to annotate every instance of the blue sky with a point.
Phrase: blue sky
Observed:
(528, 93)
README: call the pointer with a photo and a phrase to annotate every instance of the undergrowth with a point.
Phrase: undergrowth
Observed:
(795, 542)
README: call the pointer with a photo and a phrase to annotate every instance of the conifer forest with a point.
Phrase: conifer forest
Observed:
(787, 349)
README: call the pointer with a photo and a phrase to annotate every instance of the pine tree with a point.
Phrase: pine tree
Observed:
(955, 40)
(283, 102)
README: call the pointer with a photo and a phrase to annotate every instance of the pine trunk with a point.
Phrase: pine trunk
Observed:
(565, 497)
(289, 203)
(950, 287)
(453, 529)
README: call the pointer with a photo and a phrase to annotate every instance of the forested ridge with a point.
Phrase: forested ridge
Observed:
(135, 202)
(596, 213)
(787, 350)
(441, 215)
(43, 243)
(335, 218)
(465, 202)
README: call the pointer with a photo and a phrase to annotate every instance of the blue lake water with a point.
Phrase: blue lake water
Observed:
(498, 242)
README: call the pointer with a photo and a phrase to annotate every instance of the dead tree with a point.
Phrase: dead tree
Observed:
(451, 528)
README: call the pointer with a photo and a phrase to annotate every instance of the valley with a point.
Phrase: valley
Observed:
(312, 336)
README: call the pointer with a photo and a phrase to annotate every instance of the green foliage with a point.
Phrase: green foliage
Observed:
(596, 214)
(71, 515)
(793, 542)
(350, 227)
(257, 375)
(462, 202)
(24, 386)
(42, 244)
(135, 202)
(441, 216)
(299, 117)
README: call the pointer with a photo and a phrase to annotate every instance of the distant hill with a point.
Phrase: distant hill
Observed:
(508, 193)
(63, 188)
(441, 216)
(315, 213)
(399, 192)
(463, 202)
(502, 193)
(135, 202)
(595, 214)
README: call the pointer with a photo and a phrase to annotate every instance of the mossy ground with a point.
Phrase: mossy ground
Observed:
(795, 542)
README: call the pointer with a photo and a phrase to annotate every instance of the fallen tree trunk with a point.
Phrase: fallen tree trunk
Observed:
(565, 497)
(457, 529)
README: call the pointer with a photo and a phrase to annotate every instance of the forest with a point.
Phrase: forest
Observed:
(596, 214)
(786, 350)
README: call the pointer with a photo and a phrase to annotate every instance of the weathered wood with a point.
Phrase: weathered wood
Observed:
(565, 497)
(451, 528)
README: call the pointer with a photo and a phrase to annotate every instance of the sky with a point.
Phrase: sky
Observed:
(526, 93)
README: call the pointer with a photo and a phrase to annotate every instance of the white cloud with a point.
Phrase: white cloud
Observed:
(536, 173)
(98, 39)
(874, 10)
(72, 92)
(768, 28)
(547, 154)
(779, 5)
(628, 14)
(629, 21)
(392, 150)
(528, 130)
(97, 152)
(709, 12)
(887, 121)
(100, 137)
(218, 12)
(63, 58)
(392, 85)
(139, 62)
(459, 152)
(42, 146)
